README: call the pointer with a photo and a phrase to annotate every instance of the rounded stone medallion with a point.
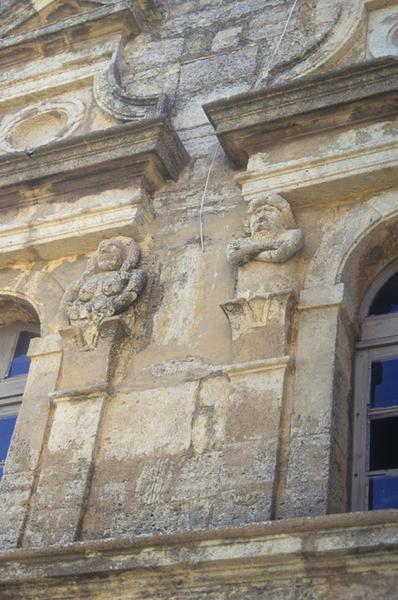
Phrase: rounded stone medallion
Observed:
(39, 125)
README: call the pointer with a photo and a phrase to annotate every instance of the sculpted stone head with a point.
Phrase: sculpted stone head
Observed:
(119, 254)
(270, 212)
(274, 235)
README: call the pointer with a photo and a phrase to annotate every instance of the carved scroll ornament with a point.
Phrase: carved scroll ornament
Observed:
(274, 235)
(112, 97)
(110, 284)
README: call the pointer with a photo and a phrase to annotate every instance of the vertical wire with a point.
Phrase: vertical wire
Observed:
(281, 37)
(202, 203)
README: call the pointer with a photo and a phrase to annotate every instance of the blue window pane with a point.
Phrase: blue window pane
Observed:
(6, 430)
(384, 383)
(20, 362)
(383, 493)
(1, 472)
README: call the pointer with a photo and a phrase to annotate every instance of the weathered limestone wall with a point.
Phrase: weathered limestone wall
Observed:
(219, 393)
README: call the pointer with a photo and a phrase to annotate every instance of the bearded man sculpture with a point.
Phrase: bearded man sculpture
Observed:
(274, 236)
(110, 284)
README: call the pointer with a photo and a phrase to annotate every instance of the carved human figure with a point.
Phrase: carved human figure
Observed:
(109, 285)
(274, 236)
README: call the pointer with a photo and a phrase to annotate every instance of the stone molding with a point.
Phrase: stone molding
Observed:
(142, 155)
(93, 391)
(250, 313)
(43, 346)
(119, 13)
(307, 181)
(151, 149)
(71, 232)
(250, 122)
(205, 560)
(321, 296)
(333, 254)
(258, 366)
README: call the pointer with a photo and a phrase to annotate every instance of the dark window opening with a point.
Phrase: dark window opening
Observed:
(383, 444)
(386, 300)
(384, 383)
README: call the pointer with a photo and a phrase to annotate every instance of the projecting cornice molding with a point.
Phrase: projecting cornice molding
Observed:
(120, 15)
(150, 149)
(250, 123)
(100, 183)
(276, 554)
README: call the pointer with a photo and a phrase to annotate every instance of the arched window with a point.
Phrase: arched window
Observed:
(375, 456)
(17, 327)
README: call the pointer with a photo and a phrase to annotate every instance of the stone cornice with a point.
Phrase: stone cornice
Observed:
(150, 149)
(249, 123)
(355, 542)
(120, 14)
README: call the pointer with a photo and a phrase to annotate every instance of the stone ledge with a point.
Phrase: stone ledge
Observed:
(342, 175)
(282, 549)
(248, 123)
(150, 149)
(79, 231)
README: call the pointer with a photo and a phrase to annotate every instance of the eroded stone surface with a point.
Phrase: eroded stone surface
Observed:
(177, 419)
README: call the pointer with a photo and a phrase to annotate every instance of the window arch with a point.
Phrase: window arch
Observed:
(375, 455)
(18, 325)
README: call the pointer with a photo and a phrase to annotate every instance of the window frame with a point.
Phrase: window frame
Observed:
(363, 414)
(12, 387)
(378, 341)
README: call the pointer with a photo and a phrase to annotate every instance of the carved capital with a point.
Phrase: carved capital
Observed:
(260, 325)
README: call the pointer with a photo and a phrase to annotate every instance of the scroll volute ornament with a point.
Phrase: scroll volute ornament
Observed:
(274, 235)
(110, 284)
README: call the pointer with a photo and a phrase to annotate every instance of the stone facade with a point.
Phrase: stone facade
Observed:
(193, 206)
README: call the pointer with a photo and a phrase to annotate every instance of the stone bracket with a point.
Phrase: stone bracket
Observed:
(90, 370)
(260, 325)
